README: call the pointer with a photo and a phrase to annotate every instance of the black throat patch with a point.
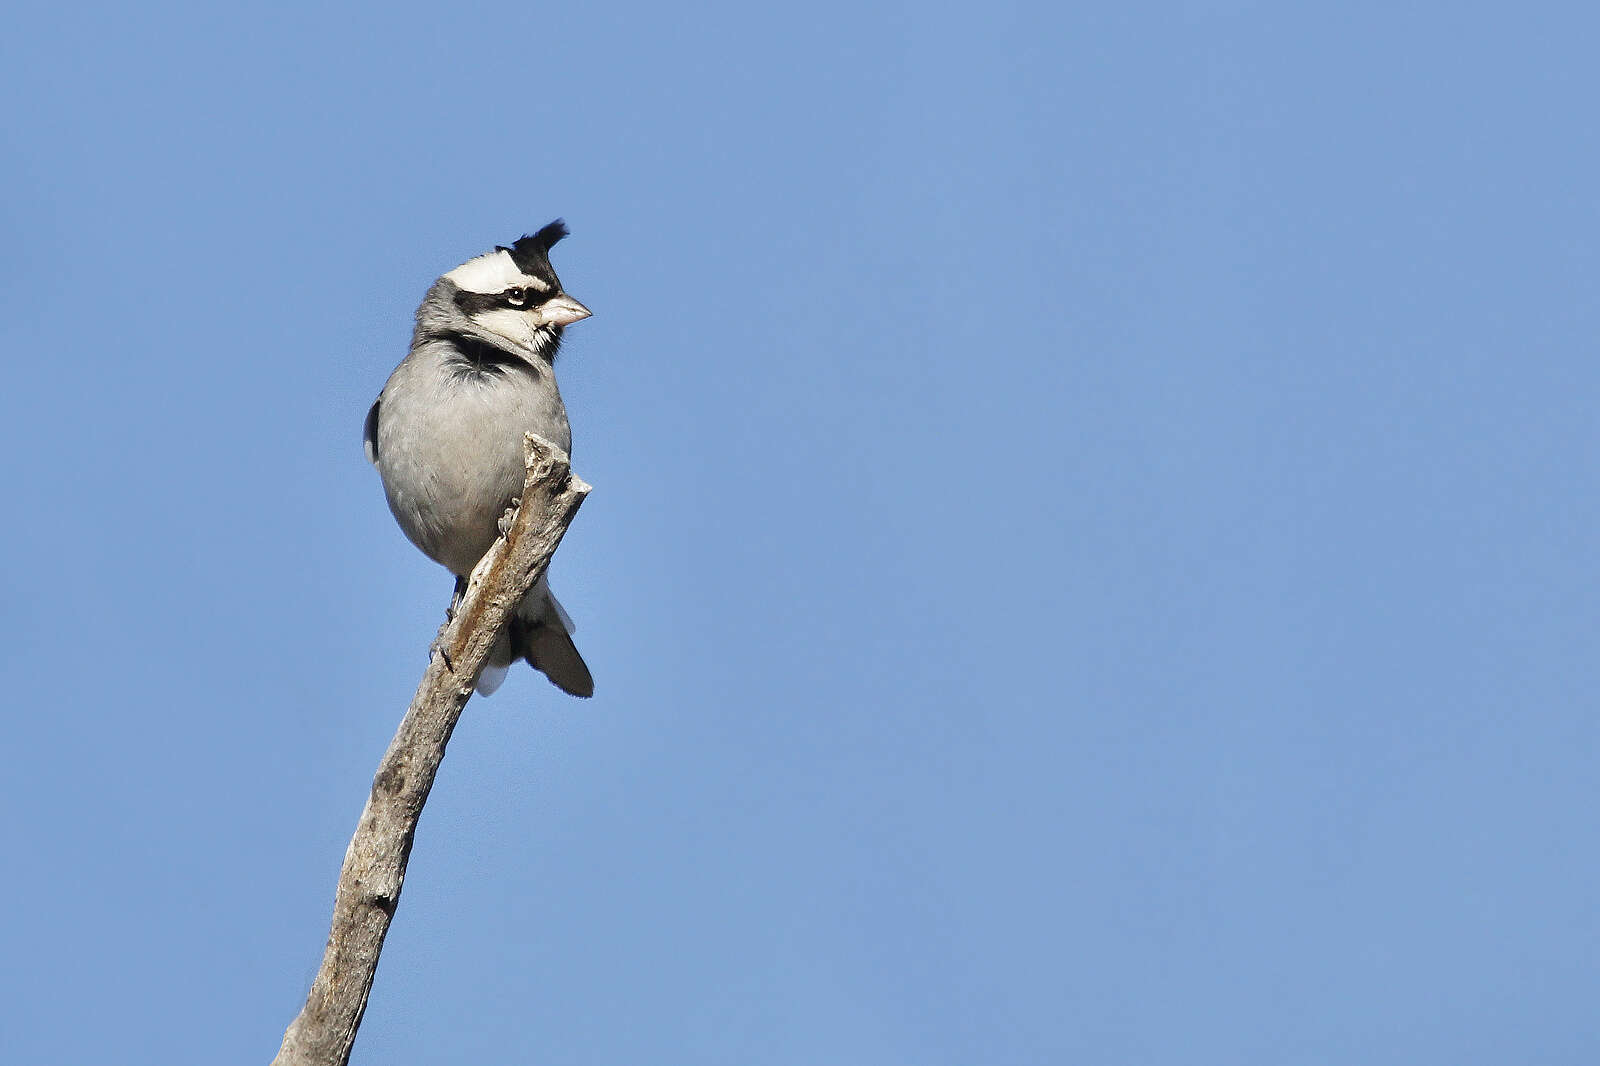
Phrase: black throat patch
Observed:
(476, 357)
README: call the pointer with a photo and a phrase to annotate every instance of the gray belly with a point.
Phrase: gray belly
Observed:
(450, 454)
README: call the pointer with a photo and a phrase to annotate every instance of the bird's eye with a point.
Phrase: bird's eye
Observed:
(516, 297)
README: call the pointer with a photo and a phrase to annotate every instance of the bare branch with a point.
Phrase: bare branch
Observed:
(375, 863)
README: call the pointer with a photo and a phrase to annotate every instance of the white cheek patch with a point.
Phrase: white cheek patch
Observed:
(514, 326)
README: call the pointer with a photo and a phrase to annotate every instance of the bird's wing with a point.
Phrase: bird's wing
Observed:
(369, 433)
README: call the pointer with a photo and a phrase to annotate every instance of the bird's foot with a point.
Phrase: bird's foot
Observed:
(456, 597)
(510, 515)
(437, 648)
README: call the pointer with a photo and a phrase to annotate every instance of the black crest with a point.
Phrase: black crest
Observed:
(532, 253)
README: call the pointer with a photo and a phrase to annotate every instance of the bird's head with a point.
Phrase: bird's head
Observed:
(514, 294)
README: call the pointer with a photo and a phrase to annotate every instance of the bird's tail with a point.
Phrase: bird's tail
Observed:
(541, 633)
(549, 649)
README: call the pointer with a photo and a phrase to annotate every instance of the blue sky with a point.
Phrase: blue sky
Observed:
(1092, 555)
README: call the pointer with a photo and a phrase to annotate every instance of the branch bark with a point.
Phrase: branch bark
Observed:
(375, 863)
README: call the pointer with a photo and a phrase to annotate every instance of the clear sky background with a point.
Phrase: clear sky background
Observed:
(1092, 559)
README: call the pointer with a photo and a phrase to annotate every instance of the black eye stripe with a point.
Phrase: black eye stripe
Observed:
(523, 298)
(473, 303)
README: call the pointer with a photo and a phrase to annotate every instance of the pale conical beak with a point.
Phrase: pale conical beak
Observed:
(562, 310)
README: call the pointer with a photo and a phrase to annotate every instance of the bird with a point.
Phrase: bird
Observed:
(446, 432)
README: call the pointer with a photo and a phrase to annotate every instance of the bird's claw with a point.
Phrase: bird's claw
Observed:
(510, 515)
(437, 648)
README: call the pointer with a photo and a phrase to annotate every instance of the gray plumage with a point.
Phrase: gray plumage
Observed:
(446, 432)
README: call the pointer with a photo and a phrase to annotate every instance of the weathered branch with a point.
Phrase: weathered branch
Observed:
(375, 863)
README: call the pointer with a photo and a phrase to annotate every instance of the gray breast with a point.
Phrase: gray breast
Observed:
(449, 447)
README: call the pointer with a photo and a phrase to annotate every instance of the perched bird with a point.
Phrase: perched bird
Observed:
(446, 432)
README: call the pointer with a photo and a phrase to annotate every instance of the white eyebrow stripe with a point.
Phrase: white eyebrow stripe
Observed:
(494, 272)
(487, 273)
